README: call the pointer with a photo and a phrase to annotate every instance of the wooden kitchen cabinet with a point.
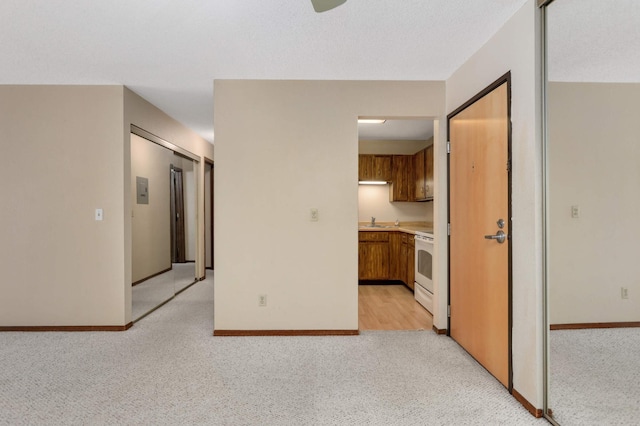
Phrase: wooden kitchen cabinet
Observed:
(423, 173)
(374, 167)
(402, 180)
(395, 245)
(365, 167)
(386, 255)
(407, 260)
(403, 260)
(373, 256)
(411, 262)
(419, 172)
(428, 178)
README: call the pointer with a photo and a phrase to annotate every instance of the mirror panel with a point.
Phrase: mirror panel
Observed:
(592, 195)
(151, 269)
(163, 254)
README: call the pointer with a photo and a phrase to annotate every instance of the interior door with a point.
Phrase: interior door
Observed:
(479, 211)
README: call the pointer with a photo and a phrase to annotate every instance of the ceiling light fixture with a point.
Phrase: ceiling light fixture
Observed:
(372, 182)
(324, 5)
(370, 121)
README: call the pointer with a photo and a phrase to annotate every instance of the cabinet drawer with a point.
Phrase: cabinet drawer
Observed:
(373, 236)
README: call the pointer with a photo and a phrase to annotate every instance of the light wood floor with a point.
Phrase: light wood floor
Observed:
(390, 307)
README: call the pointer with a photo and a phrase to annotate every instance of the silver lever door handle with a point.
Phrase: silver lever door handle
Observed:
(500, 236)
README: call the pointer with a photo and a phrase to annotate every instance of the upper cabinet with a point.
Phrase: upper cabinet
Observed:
(411, 176)
(429, 186)
(423, 172)
(419, 171)
(402, 180)
(374, 167)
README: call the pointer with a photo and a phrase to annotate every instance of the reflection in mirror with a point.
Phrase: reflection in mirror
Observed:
(183, 225)
(157, 274)
(593, 195)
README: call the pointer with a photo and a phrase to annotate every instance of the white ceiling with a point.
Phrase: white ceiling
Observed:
(170, 51)
(594, 41)
(409, 129)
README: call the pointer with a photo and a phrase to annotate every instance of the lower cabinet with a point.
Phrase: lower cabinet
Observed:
(386, 256)
(403, 259)
(396, 272)
(411, 262)
(407, 260)
(373, 256)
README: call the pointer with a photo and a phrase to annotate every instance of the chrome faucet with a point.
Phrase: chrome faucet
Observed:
(373, 221)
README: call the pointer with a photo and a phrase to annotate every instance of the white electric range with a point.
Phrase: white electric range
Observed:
(423, 288)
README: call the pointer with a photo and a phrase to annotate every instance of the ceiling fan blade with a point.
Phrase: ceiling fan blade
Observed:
(324, 5)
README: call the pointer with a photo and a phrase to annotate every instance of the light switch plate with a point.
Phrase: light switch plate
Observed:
(575, 212)
(99, 214)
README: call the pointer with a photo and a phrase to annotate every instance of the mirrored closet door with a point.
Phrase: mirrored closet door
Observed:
(163, 222)
(593, 198)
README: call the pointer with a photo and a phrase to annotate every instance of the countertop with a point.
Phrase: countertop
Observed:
(408, 227)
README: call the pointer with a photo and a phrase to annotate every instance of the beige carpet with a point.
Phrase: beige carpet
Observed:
(595, 377)
(169, 369)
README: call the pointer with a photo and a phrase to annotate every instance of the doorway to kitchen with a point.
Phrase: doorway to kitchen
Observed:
(395, 200)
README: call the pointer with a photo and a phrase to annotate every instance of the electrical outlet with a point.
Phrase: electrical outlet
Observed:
(313, 215)
(262, 300)
(575, 212)
(624, 292)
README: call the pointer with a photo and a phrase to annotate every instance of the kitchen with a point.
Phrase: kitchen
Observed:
(395, 238)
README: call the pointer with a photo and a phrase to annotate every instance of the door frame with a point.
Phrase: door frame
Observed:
(506, 78)
(209, 161)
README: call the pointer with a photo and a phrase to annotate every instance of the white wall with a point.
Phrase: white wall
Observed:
(282, 148)
(594, 163)
(515, 48)
(373, 200)
(63, 153)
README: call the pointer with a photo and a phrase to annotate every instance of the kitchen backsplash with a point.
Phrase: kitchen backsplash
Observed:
(373, 200)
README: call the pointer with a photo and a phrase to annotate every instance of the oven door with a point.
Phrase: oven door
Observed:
(424, 272)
